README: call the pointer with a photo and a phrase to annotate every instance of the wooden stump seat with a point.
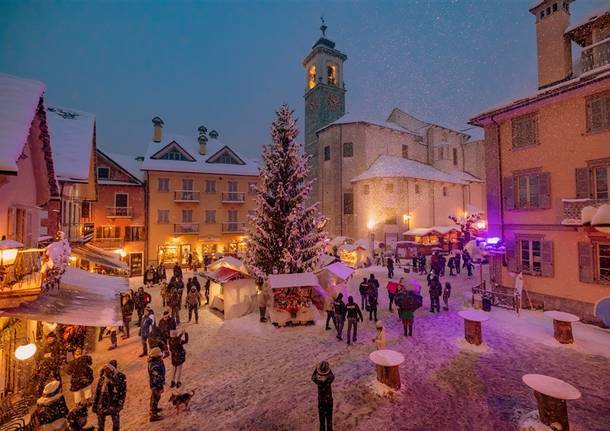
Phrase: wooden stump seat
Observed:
(472, 325)
(562, 325)
(386, 365)
(551, 395)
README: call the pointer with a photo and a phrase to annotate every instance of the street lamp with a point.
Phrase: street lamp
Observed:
(371, 227)
(406, 219)
(25, 352)
(8, 255)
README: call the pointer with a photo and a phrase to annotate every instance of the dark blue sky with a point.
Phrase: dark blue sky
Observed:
(229, 65)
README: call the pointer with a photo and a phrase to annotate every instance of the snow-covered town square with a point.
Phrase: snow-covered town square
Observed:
(294, 216)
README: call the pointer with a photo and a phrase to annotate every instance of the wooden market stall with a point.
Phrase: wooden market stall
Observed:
(232, 291)
(333, 279)
(444, 237)
(292, 298)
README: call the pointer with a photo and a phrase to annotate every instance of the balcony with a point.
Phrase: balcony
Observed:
(233, 227)
(596, 55)
(107, 242)
(186, 228)
(233, 197)
(186, 196)
(572, 209)
(78, 232)
(119, 212)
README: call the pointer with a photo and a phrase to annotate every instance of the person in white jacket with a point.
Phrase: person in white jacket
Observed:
(379, 339)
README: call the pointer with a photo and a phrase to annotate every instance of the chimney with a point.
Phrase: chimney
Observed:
(203, 140)
(214, 134)
(157, 126)
(553, 48)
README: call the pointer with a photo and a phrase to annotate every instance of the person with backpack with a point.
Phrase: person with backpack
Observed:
(193, 300)
(353, 315)
(364, 289)
(446, 295)
(436, 290)
(323, 377)
(340, 312)
(407, 302)
(178, 338)
(110, 395)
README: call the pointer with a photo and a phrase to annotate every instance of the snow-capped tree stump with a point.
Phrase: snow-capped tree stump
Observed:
(551, 395)
(472, 325)
(386, 365)
(562, 325)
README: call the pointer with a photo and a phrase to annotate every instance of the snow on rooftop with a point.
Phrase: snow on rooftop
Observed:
(72, 142)
(381, 121)
(390, 166)
(598, 13)
(129, 163)
(201, 165)
(340, 270)
(305, 279)
(18, 103)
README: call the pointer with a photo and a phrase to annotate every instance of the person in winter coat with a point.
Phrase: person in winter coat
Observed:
(177, 340)
(436, 290)
(174, 304)
(422, 264)
(390, 265)
(81, 376)
(372, 305)
(414, 260)
(451, 265)
(261, 300)
(141, 300)
(127, 307)
(177, 270)
(110, 395)
(324, 377)
(442, 264)
(51, 408)
(364, 293)
(206, 291)
(161, 272)
(145, 324)
(164, 293)
(193, 301)
(149, 276)
(379, 339)
(446, 295)
(49, 362)
(329, 307)
(340, 312)
(156, 380)
(458, 263)
(197, 284)
(77, 418)
(353, 315)
(166, 325)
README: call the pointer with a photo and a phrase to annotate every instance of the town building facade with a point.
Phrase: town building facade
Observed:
(547, 159)
(200, 193)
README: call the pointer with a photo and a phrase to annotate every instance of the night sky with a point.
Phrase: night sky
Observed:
(229, 65)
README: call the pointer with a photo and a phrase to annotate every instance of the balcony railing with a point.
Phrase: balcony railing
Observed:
(234, 197)
(595, 55)
(107, 242)
(78, 232)
(119, 212)
(233, 227)
(186, 196)
(572, 209)
(186, 228)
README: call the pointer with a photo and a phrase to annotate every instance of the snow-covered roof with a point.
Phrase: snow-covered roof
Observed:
(380, 121)
(129, 163)
(339, 240)
(72, 142)
(598, 13)
(339, 270)
(304, 279)
(421, 231)
(201, 163)
(391, 166)
(228, 262)
(18, 103)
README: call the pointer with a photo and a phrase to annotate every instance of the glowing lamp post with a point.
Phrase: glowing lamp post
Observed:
(8, 254)
(371, 227)
(406, 219)
(25, 352)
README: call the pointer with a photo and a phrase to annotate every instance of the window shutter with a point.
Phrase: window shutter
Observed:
(547, 269)
(606, 115)
(585, 262)
(508, 193)
(595, 114)
(11, 224)
(583, 184)
(544, 190)
(117, 231)
(533, 131)
(511, 257)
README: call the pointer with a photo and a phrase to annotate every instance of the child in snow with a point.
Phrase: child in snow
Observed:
(379, 339)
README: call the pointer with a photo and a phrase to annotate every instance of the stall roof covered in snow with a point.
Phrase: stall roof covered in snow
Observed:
(19, 100)
(339, 270)
(72, 142)
(126, 162)
(421, 231)
(304, 279)
(228, 262)
(219, 158)
(391, 166)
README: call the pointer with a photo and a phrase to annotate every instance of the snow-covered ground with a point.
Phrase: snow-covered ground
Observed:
(253, 376)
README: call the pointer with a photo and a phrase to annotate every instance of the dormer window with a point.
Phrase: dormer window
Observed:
(172, 151)
(174, 155)
(103, 173)
(226, 156)
(331, 74)
(311, 77)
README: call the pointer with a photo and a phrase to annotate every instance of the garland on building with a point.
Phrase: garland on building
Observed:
(285, 232)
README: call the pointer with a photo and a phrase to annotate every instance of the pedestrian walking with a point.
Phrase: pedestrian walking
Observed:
(451, 265)
(166, 324)
(446, 295)
(442, 264)
(324, 377)
(177, 270)
(193, 301)
(379, 339)
(391, 287)
(110, 395)
(174, 304)
(113, 338)
(436, 290)
(164, 292)
(178, 338)
(81, 376)
(390, 265)
(340, 312)
(206, 291)
(261, 299)
(149, 276)
(414, 260)
(156, 380)
(329, 307)
(364, 293)
(141, 300)
(48, 362)
(458, 262)
(127, 307)
(408, 302)
(353, 315)
(145, 324)
(372, 306)
(51, 409)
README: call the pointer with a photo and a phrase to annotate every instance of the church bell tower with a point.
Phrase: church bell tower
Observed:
(324, 95)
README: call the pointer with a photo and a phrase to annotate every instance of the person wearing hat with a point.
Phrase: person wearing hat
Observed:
(140, 300)
(353, 315)
(193, 301)
(110, 395)
(166, 324)
(51, 409)
(340, 311)
(145, 325)
(323, 377)
(81, 373)
(127, 307)
(379, 339)
(178, 338)
(156, 379)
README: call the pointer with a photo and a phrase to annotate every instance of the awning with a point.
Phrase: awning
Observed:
(224, 274)
(303, 279)
(99, 256)
(84, 298)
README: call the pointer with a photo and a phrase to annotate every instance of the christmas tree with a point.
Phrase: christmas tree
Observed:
(285, 232)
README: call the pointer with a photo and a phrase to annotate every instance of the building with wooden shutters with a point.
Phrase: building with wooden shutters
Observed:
(547, 157)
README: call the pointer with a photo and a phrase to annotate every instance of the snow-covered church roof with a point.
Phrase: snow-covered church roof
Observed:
(390, 166)
(72, 142)
(19, 100)
(209, 163)
(381, 121)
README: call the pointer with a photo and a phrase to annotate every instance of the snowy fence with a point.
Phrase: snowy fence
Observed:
(498, 299)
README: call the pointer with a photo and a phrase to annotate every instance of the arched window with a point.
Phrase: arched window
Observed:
(331, 74)
(311, 77)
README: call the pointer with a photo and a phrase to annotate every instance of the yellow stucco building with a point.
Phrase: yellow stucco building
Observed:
(199, 193)
(547, 158)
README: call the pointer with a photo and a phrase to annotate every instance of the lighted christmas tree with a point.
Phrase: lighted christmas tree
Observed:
(285, 232)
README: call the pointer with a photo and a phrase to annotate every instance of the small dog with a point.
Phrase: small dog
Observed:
(181, 400)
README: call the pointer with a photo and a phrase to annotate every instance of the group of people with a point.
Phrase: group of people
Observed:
(438, 263)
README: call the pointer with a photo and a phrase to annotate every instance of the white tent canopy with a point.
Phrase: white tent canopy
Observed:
(304, 279)
(228, 262)
(84, 298)
(339, 270)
